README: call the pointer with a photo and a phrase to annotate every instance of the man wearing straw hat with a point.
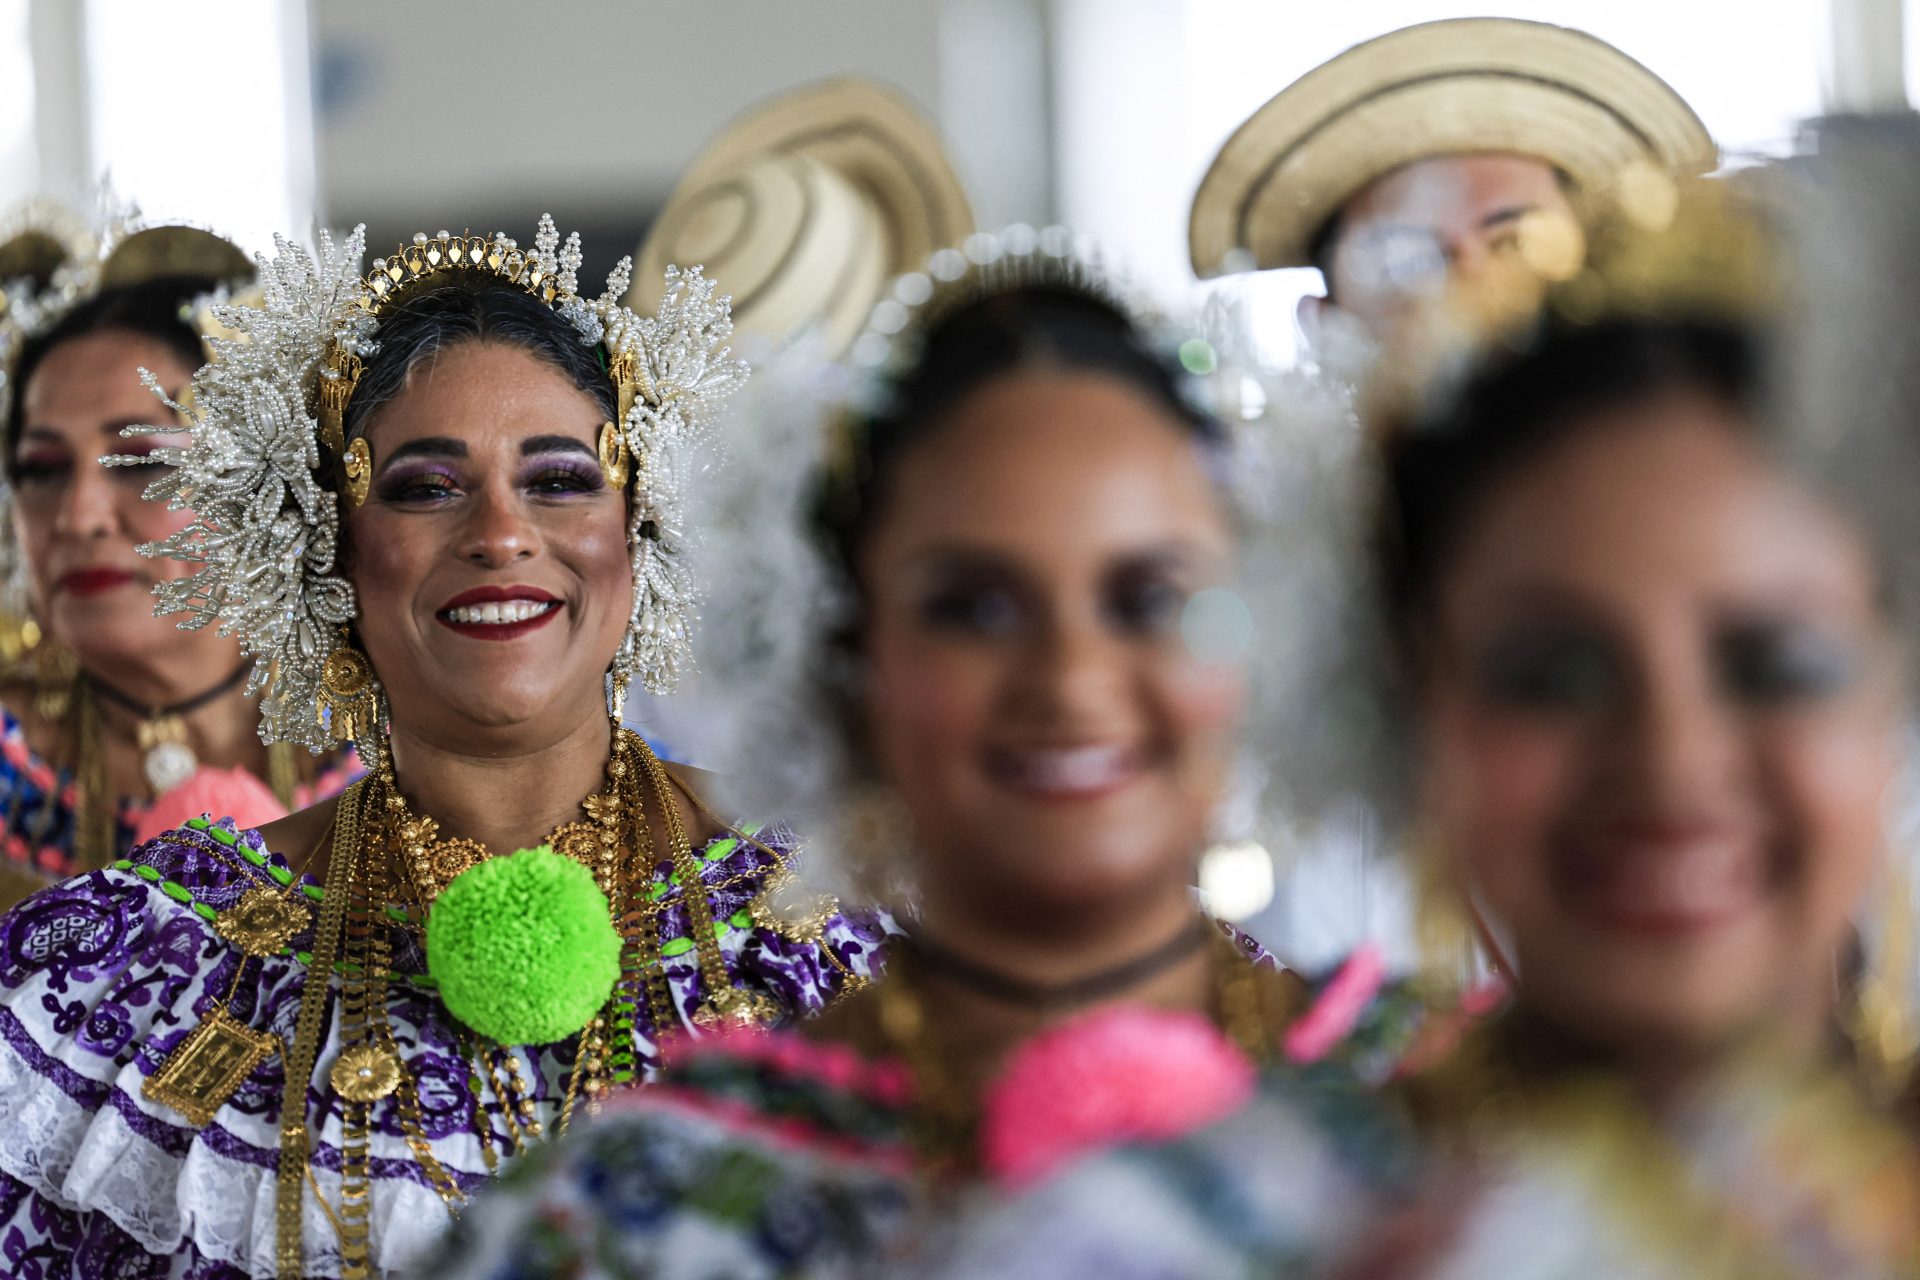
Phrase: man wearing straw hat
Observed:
(1413, 162)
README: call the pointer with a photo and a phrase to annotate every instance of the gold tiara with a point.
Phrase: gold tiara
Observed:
(547, 274)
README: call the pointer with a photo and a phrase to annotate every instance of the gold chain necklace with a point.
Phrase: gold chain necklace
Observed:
(376, 830)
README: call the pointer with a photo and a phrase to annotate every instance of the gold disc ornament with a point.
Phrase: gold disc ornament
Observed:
(346, 692)
(358, 466)
(262, 923)
(365, 1073)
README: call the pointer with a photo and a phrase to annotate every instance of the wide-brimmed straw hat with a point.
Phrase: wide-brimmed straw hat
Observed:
(806, 206)
(1441, 88)
(153, 253)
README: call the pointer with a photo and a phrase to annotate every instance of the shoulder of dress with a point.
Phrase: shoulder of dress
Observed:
(781, 1089)
(18, 759)
(210, 856)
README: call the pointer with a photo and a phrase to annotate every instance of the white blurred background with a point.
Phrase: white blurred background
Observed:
(256, 116)
(267, 114)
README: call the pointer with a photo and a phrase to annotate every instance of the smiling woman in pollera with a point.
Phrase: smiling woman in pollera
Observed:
(440, 502)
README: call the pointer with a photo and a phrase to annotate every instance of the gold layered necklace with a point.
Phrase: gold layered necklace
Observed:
(377, 834)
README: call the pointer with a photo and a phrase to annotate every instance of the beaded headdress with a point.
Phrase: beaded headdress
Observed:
(49, 260)
(268, 457)
(53, 259)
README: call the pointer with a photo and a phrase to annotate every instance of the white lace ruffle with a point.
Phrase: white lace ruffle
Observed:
(225, 1207)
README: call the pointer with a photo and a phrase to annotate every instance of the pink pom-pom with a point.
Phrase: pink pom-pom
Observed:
(1116, 1075)
(1315, 1032)
(218, 793)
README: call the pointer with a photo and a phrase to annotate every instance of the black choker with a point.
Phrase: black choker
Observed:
(1062, 996)
(166, 759)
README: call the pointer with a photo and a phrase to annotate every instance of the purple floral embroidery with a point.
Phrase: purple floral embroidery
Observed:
(106, 972)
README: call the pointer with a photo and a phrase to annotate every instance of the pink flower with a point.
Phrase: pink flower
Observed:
(218, 793)
(1315, 1032)
(1118, 1074)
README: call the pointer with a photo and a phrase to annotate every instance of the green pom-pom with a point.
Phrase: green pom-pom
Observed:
(523, 948)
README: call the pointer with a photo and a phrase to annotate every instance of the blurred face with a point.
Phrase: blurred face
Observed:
(490, 557)
(1029, 694)
(79, 523)
(1661, 724)
(1444, 223)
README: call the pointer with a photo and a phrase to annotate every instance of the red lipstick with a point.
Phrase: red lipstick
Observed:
(92, 582)
(498, 613)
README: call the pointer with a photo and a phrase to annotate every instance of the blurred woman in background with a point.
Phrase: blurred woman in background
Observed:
(118, 724)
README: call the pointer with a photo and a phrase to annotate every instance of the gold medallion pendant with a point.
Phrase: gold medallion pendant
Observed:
(261, 923)
(166, 760)
(208, 1067)
(365, 1073)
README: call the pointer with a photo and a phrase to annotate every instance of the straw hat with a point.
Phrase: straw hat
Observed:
(1440, 88)
(156, 252)
(806, 206)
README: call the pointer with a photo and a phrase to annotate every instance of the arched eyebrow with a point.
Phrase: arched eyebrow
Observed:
(426, 447)
(449, 447)
(555, 444)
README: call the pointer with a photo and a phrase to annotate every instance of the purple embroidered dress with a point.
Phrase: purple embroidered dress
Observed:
(102, 976)
(37, 812)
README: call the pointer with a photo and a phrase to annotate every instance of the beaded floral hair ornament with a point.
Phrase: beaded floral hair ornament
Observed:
(268, 463)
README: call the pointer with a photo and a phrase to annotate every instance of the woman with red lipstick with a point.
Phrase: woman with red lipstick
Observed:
(993, 672)
(440, 503)
(118, 724)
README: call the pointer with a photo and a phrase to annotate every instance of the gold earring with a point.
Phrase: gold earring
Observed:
(1883, 1027)
(347, 693)
(358, 465)
(614, 455)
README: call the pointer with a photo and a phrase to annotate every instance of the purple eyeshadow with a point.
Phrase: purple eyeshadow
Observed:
(580, 468)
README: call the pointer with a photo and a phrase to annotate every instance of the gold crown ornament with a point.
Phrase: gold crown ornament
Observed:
(268, 465)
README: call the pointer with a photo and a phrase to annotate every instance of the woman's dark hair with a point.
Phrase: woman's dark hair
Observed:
(435, 319)
(1030, 328)
(1440, 469)
(159, 309)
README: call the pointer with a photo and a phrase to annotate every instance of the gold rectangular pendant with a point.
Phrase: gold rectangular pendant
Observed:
(209, 1066)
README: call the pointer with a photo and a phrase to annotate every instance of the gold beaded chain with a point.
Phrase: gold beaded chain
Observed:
(376, 830)
(725, 1004)
(309, 1027)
